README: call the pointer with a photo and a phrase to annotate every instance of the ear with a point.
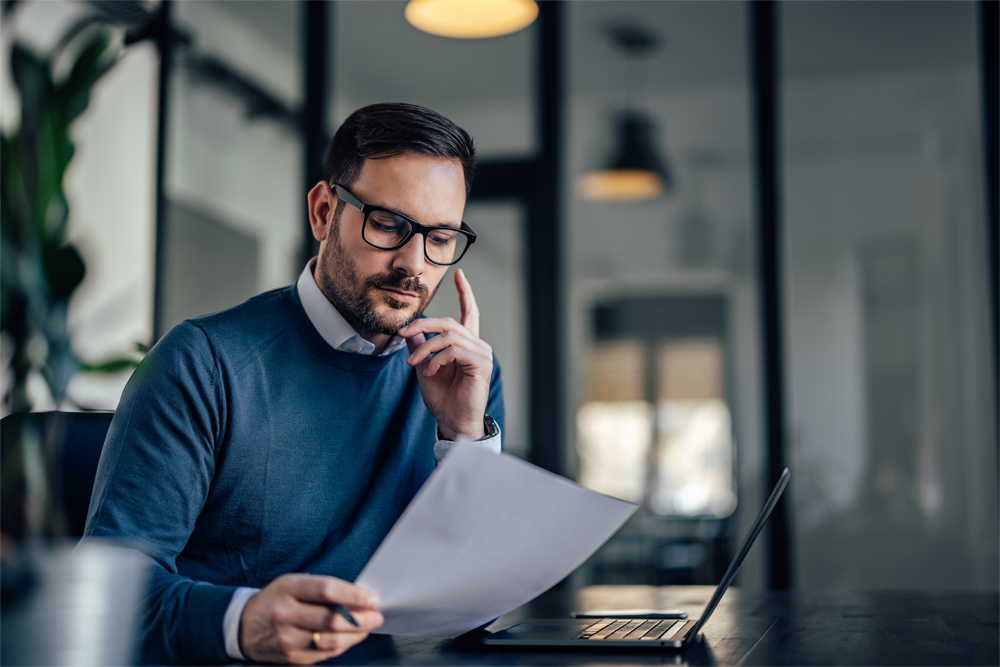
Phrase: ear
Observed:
(322, 204)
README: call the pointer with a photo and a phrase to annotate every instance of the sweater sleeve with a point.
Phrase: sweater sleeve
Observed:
(152, 484)
(494, 404)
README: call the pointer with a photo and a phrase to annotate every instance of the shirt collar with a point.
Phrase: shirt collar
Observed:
(328, 321)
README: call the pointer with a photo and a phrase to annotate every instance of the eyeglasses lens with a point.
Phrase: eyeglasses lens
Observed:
(441, 245)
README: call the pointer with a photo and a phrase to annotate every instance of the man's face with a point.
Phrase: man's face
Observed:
(379, 291)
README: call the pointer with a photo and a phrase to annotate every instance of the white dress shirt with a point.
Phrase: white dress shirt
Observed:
(340, 335)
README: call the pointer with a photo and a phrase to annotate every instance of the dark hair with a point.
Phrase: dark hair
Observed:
(392, 129)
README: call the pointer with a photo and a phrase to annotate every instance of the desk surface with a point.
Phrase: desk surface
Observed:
(787, 628)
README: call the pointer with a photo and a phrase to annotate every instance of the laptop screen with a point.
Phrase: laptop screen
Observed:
(748, 541)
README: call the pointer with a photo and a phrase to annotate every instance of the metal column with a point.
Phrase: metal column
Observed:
(764, 37)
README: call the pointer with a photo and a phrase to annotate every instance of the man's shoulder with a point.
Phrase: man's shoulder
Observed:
(242, 327)
(263, 311)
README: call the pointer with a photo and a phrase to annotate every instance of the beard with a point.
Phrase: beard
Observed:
(355, 297)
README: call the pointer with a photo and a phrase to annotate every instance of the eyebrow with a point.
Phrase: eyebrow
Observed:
(410, 217)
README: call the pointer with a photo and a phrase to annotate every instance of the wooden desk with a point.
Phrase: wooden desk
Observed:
(791, 628)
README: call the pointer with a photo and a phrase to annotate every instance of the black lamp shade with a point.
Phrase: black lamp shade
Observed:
(636, 148)
(635, 170)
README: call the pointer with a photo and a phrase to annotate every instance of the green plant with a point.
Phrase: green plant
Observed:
(39, 268)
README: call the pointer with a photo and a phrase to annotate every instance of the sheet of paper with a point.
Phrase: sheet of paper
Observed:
(484, 535)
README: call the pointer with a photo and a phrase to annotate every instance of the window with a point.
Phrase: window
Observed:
(655, 428)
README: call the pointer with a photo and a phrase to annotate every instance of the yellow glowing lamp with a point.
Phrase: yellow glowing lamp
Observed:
(635, 171)
(621, 185)
(471, 19)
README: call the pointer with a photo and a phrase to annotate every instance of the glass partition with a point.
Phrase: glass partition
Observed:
(891, 404)
(663, 387)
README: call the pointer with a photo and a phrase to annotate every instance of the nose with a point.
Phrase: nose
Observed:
(409, 260)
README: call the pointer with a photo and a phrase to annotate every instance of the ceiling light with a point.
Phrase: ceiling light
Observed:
(635, 171)
(471, 19)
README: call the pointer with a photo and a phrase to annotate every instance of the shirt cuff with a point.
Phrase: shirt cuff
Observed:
(231, 621)
(493, 444)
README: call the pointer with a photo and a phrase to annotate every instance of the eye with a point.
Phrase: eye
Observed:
(441, 237)
(388, 224)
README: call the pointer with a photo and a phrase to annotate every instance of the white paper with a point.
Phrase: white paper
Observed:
(485, 534)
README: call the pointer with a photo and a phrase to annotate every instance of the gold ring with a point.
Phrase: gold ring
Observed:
(316, 637)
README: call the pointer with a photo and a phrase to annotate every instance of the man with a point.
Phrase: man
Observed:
(287, 434)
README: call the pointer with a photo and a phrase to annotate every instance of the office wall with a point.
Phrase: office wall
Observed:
(224, 163)
(210, 265)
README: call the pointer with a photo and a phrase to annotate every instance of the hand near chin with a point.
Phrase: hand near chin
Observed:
(455, 381)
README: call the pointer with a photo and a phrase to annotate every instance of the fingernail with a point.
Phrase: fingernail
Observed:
(373, 602)
(403, 328)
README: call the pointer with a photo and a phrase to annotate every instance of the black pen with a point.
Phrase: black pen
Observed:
(343, 611)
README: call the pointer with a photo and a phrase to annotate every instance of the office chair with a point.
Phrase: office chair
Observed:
(81, 438)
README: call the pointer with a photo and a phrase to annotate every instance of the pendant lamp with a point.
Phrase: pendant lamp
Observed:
(634, 170)
(471, 19)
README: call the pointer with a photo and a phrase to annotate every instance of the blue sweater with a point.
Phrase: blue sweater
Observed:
(244, 448)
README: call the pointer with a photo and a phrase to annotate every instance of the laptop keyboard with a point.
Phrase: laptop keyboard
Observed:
(619, 629)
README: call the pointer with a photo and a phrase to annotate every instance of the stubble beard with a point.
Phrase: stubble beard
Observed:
(354, 297)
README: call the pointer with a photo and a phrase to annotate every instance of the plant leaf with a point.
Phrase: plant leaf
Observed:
(64, 270)
(31, 76)
(110, 366)
(88, 68)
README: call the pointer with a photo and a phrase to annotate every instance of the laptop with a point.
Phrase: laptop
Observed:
(645, 632)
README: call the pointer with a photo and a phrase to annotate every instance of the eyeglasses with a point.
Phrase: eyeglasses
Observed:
(386, 229)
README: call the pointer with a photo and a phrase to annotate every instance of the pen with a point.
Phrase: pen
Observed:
(343, 611)
(337, 608)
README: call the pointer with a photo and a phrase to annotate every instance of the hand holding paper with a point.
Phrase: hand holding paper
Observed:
(484, 535)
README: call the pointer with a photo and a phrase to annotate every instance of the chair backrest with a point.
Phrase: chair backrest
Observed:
(81, 438)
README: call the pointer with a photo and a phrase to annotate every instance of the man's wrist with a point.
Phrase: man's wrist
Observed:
(232, 619)
(490, 430)
(490, 442)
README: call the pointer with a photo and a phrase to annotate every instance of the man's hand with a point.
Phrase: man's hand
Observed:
(280, 623)
(455, 382)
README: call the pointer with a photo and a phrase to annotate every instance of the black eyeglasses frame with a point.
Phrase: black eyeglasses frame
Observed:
(415, 227)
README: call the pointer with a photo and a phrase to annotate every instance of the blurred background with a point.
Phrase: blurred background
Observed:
(715, 238)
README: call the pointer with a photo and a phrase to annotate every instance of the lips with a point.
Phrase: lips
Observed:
(396, 295)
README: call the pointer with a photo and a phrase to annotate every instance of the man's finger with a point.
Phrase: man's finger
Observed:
(320, 618)
(467, 359)
(414, 342)
(440, 325)
(323, 589)
(446, 340)
(467, 303)
(337, 642)
(303, 649)
(367, 621)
